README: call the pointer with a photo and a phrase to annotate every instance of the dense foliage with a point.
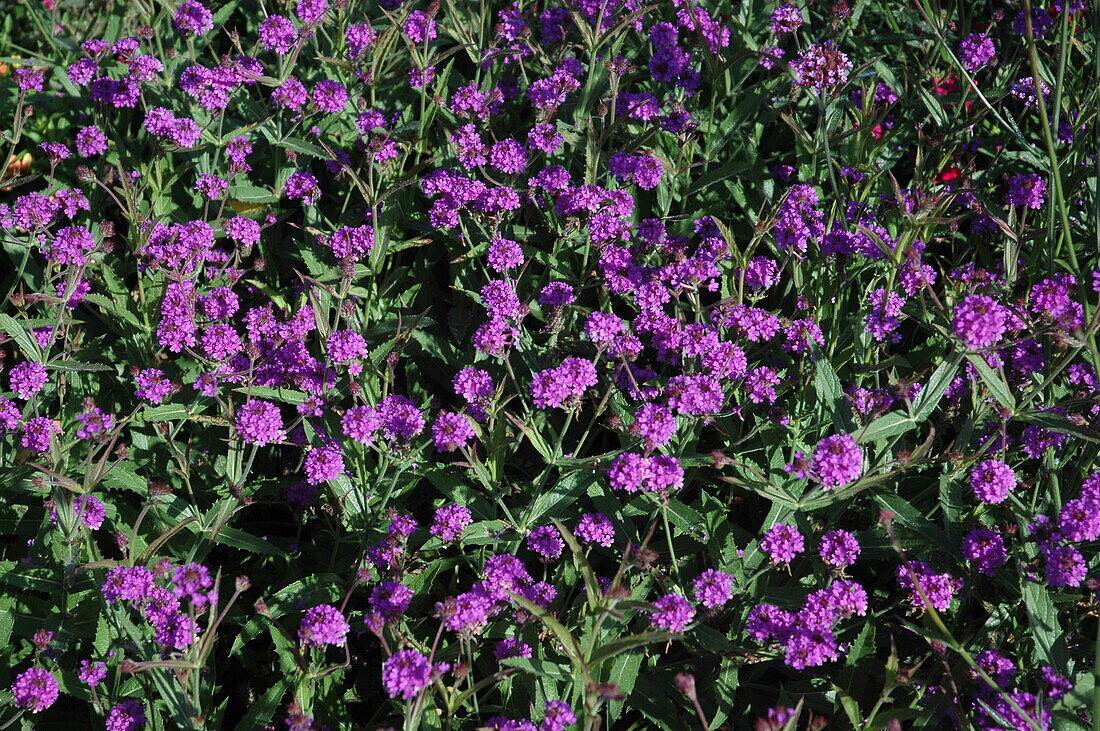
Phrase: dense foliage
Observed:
(561, 364)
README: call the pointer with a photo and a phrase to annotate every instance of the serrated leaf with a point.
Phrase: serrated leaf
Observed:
(537, 667)
(830, 393)
(77, 366)
(591, 584)
(237, 538)
(263, 709)
(301, 146)
(15, 330)
(929, 397)
(251, 194)
(566, 490)
(111, 307)
(123, 476)
(164, 412)
(285, 395)
(687, 519)
(850, 706)
(1045, 627)
(624, 674)
(993, 381)
(630, 642)
(568, 642)
(886, 426)
(911, 518)
(863, 645)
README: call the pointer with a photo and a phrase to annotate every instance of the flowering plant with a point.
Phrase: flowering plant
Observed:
(578, 364)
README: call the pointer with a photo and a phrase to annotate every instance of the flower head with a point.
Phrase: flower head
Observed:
(323, 625)
(405, 674)
(34, 689)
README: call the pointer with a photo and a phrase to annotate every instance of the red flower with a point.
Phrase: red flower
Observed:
(947, 175)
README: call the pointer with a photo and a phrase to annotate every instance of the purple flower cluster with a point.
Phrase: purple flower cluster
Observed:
(323, 625)
(259, 422)
(405, 674)
(808, 636)
(632, 472)
(839, 548)
(837, 461)
(980, 321)
(782, 543)
(35, 689)
(992, 480)
(821, 67)
(554, 386)
(926, 587)
(137, 586)
(671, 613)
(977, 50)
(450, 521)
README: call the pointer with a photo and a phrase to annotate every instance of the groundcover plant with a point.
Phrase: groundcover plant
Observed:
(555, 364)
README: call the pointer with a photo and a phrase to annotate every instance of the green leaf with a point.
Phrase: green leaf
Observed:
(75, 365)
(537, 667)
(263, 709)
(687, 520)
(164, 412)
(111, 307)
(591, 584)
(11, 326)
(285, 649)
(911, 518)
(223, 13)
(123, 476)
(7, 622)
(568, 642)
(929, 397)
(535, 438)
(285, 395)
(624, 674)
(717, 174)
(886, 426)
(379, 353)
(301, 146)
(564, 491)
(863, 645)
(993, 380)
(934, 107)
(235, 538)
(830, 393)
(1043, 618)
(630, 642)
(850, 706)
(252, 194)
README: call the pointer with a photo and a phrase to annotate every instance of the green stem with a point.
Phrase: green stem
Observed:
(668, 538)
(1096, 686)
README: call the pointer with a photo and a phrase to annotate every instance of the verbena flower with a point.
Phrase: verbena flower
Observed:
(323, 625)
(985, 549)
(837, 461)
(405, 674)
(980, 321)
(126, 716)
(992, 480)
(27, 379)
(782, 543)
(672, 613)
(713, 588)
(838, 548)
(34, 689)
